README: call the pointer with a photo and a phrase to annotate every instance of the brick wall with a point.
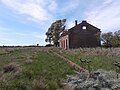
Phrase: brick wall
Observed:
(76, 37)
(64, 42)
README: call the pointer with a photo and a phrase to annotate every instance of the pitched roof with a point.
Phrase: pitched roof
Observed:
(80, 24)
(84, 22)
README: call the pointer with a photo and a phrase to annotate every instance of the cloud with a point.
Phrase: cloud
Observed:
(36, 10)
(35, 35)
(106, 16)
(41, 10)
(4, 35)
(53, 6)
(108, 1)
(20, 37)
(3, 29)
(68, 6)
(40, 36)
(70, 24)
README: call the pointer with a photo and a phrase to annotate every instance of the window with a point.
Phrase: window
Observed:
(84, 27)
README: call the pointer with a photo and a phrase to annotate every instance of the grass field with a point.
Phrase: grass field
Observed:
(101, 58)
(38, 67)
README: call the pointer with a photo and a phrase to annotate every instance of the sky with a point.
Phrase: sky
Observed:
(25, 22)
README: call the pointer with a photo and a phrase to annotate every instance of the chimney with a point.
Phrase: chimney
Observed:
(84, 21)
(75, 22)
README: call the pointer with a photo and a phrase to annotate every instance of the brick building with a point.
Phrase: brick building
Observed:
(81, 35)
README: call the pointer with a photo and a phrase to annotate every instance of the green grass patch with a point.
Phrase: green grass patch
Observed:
(45, 66)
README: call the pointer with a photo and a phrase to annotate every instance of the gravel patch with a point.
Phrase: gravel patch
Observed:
(97, 80)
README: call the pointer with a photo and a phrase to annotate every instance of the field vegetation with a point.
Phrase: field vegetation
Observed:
(35, 68)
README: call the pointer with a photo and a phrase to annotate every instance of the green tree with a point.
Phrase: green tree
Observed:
(107, 38)
(54, 31)
(117, 38)
(111, 39)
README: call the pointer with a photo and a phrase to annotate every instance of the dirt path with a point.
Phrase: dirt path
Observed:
(75, 66)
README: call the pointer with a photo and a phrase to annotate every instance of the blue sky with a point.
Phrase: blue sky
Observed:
(24, 22)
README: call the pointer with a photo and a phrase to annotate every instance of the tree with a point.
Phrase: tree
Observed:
(97, 35)
(111, 39)
(106, 38)
(54, 31)
(117, 38)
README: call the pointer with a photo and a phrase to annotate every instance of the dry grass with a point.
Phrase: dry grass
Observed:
(28, 61)
(38, 85)
(67, 88)
(11, 67)
(98, 51)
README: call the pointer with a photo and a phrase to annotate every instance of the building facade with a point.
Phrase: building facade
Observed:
(81, 35)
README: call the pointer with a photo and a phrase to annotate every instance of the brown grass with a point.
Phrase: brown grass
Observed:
(38, 85)
(11, 67)
(28, 61)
